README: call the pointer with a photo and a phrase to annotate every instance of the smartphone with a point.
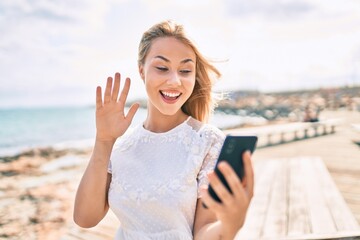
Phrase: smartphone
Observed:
(231, 152)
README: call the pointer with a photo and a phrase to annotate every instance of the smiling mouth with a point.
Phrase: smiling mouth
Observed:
(170, 95)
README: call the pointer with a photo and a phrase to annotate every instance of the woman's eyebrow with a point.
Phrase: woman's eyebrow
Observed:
(163, 58)
(187, 60)
(167, 60)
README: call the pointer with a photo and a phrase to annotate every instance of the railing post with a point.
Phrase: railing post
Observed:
(316, 130)
(296, 137)
(269, 143)
(282, 137)
(333, 128)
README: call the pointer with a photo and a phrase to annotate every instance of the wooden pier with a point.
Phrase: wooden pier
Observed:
(297, 199)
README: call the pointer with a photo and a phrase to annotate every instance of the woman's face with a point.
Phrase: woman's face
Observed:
(169, 74)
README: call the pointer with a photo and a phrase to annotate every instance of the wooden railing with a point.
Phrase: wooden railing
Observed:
(283, 133)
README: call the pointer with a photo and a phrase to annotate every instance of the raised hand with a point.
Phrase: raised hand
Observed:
(111, 121)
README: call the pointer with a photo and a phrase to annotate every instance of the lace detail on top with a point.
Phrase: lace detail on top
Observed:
(156, 178)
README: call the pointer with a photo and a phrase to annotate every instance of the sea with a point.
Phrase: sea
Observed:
(22, 129)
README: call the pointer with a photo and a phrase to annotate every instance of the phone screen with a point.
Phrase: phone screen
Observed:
(231, 152)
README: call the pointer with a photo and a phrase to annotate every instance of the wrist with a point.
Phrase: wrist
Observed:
(228, 232)
(104, 140)
(228, 236)
(102, 150)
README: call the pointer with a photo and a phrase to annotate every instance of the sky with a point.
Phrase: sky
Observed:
(57, 52)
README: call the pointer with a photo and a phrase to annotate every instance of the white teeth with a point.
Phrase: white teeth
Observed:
(168, 94)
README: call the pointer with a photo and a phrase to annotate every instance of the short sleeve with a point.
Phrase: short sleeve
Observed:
(113, 156)
(121, 144)
(109, 167)
(216, 139)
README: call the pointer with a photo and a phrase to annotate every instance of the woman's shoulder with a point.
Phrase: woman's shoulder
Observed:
(206, 130)
(130, 136)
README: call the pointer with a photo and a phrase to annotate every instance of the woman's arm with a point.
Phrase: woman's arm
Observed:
(91, 203)
(205, 223)
(223, 220)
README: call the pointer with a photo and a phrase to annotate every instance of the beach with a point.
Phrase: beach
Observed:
(37, 192)
(38, 187)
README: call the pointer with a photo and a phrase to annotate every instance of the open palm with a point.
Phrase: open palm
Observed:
(111, 120)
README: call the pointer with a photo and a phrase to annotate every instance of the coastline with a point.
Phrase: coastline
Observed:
(38, 186)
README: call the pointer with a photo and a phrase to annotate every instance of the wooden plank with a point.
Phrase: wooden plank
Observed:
(321, 220)
(264, 174)
(276, 218)
(298, 223)
(341, 214)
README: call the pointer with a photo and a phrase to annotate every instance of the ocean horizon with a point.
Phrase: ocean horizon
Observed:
(28, 128)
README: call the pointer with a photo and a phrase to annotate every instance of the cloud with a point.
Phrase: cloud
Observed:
(43, 33)
(50, 47)
(62, 45)
(278, 9)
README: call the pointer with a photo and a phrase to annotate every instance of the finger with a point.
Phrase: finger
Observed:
(244, 196)
(209, 201)
(220, 189)
(244, 179)
(115, 92)
(98, 97)
(124, 92)
(108, 90)
(231, 178)
(132, 111)
(249, 173)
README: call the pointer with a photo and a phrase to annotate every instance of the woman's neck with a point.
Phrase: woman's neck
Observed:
(158, 122)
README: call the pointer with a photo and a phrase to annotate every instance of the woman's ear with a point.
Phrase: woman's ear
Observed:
(141, 72)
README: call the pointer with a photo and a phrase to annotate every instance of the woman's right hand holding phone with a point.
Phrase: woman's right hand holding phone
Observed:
(111, 120)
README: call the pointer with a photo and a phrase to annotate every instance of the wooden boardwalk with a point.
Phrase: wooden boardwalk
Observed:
(297, 199)
(338, 151)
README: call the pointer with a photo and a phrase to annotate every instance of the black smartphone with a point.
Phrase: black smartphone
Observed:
(231, 152)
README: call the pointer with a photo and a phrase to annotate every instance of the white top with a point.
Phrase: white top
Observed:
(156, 179)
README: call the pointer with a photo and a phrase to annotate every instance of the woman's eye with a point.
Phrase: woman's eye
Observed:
(163, 69)
(185, 71)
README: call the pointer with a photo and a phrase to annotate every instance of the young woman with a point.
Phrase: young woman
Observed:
(155, 178)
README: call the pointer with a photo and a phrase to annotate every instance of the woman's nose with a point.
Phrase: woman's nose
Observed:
(174, 79)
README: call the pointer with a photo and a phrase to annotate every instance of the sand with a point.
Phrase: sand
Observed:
(37, 192)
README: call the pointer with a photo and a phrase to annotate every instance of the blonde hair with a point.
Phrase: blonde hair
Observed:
(201, 103)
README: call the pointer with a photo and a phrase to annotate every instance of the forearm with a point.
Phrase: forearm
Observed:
(91, 197)
(215, 231)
